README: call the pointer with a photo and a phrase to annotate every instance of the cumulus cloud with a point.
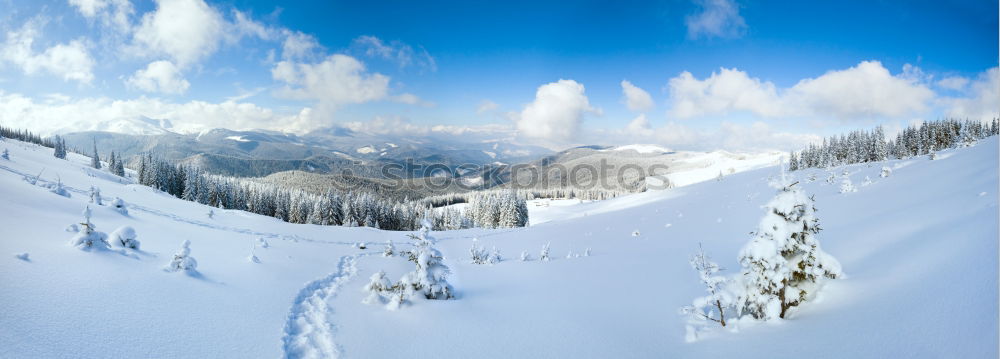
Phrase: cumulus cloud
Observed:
(556, 112)
(716, 18)
(337, 80)
(722, 92)
(639, 126)
(981, 98)
(159, 76)
(111, 13)
(862, 92)
(71, 60)
(185, 30)
(402, 54)
(636, 99)
(298, 45)
(61, 115)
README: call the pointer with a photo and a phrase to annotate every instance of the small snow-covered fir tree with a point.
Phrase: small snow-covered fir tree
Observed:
(714, 307)
(124, 237)
(867, 181)
(886, 171)
(586, 253)
(88, 238)
(544, 254)
(525, 256)
(379, 289)
(783, 265)
(430, 278)
(182, 259)
(846, 186)
(478, 254)
(494, 256)
(390, 250)
(95, 196)
(210, 214)
(58, 188)
(5, 155)
(95, 160)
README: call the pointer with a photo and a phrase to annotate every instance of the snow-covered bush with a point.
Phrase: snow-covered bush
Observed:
(783, 265)
(124, 237)
(886, 171)
(379, 289)
(210, 214)
(95, 196)
(846, 186)
(5, 155)
(22, 256)
(714, 307)
(88, 237)
(525, 256)
(494, 256)
(635, 233)
(477, 253)
(58, 189)
(867, 181)
(544, 255)
(182, 259)
(119, 205)
(586, 253)
(390, 250)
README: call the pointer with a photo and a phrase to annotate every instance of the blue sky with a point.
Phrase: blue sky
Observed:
(719, 73)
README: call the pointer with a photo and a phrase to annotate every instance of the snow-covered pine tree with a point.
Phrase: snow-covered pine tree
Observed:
(378, 288)
(886, 171)
(95, 159)
(783, 265)
(390, 250)
(494, 256)
(846, 186)
(430, 278)
(95, 196)
(119, 169)
(525, 256)
(182, 259)
(124, 237)
(714, 307)
(544, 254)
(5, 155)
(88, 238)
(478, 254)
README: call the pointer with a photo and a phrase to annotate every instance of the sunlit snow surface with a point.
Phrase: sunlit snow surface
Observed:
(919, 249)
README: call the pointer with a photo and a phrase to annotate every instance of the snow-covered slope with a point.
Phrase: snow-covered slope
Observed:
(919, 249)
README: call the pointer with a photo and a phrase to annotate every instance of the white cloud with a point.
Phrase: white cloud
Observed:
(298, 45)
(636, 99)
(724, 91)
(159, 76)
(112, 13)
(956, 83)
(863, 92)
(486, 106)
(104, 114)
(639, 126)
(404, 55)
(396, 125)
(981, 98)
(556, 112)
(338, 80)
(717, 18)
(71, 60)
(184, 30)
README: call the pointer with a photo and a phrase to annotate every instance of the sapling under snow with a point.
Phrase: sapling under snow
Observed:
(544, 255)
(182, 259)
(88, 238)
(783, 265)
(714, 307)
(124, 237)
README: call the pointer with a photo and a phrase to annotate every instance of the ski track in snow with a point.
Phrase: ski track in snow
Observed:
(309, 330)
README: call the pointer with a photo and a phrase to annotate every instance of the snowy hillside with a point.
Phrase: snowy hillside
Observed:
(919, 250)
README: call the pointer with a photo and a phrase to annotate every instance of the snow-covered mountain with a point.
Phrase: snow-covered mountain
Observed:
(919, 250)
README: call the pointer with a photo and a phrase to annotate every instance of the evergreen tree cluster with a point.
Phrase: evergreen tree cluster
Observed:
(336, 208)
(497, 209)
(26, 136)
(871, 146)
(59, 144)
